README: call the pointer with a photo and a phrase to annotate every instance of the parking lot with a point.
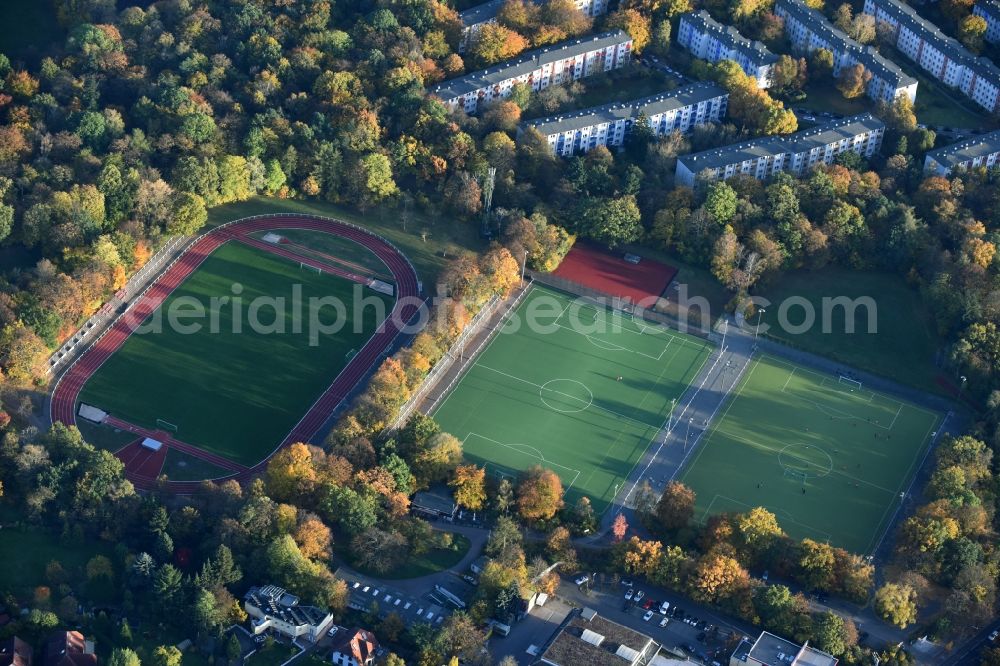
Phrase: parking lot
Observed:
(691, 629)
(432, 607)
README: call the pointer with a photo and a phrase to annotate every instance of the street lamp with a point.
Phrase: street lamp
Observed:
(688, 433)
(760, 314)
(524, 262)
(962, 389)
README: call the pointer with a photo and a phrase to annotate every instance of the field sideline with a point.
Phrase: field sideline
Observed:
(583, 393)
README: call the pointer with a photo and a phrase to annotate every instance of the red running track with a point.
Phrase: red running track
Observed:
(140, 462)
(67, 390)
(172, 442)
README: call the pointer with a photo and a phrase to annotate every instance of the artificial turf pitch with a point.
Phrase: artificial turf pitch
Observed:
(582, 391)
(236, 394)
(828, 458)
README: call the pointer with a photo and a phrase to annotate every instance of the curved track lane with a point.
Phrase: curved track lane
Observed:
(67, 390)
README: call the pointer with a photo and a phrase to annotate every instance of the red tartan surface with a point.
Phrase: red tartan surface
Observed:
(599, 269)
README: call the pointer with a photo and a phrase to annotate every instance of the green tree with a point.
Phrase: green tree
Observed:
(124, 657)
(613, 221)
(188, 214)
(721, 202)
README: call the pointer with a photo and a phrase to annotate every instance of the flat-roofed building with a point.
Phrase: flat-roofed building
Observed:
(808, 30)
(272, 608)
(538, 69)
(771, 650)
(979, 151)
(679, 110)
(795, 153)
(474, 18)
(585, 637)
(989, 10)
(709, 40)
(941, 56)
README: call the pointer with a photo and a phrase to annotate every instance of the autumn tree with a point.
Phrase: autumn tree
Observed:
(675, 508)
(717, 577)
(469, 483)
(971, 31)
(619, 528)
(852, 81)
(896, 604)
(495, 43)
(539, 494)
(638, 26)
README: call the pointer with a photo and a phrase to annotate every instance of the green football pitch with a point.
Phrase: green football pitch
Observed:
(826, 455)
(236, 392)
(575, 388)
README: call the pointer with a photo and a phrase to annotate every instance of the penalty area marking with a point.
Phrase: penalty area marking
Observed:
(530, 451)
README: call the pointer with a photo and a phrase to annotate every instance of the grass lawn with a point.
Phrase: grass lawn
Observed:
(429, 241)
(234, 392)
(274, 655)
(180, 466)
(103, 437)
(904, 346)
(937, 104)
(27, 26)
(26, 552)
(575, 389)
(824, 96)
(433, 561)
(828, 458)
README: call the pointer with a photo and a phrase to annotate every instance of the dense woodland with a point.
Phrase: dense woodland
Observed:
(146, 118)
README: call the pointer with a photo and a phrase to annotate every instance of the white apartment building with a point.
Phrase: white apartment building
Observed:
(709, 40)
(541, 68)
(678, 110)
(979, 151)
(990, 11)
(796, 153)
(271, 607)
(941, 56)
(808, 30)
(474, 18)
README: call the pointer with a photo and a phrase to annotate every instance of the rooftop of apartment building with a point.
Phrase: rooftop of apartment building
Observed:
(969, 149)
(650, 106)
(770, 146)
(527, 62)
(872, 60)
(481, 13)
(729, 35)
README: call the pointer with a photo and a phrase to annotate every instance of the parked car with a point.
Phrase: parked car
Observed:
(647, 616)
(628, 594)
(994, 634)
(686, 647)
(627, 583)
(664, 607)
(639, 595)
(664, 621)
(582, 579)
(649, 605)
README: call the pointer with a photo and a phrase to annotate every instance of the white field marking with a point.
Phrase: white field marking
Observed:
(776, 511)
(684, 465)
(524, 449)
(601, 343)
(788, 380)
(571, 397)
(754, 444)
(930, 439)
(826, 383)
(840, 414)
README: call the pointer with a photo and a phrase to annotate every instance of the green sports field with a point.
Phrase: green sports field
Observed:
(235, 393)
(829, 458)
(582, 392)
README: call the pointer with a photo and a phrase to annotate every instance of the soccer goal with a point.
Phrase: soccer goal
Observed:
(166, 425)
(852, 384)
(304, 266)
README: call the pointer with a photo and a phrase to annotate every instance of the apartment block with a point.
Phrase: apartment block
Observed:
(541, 68)
(990, 11)
(808, 30)
(941, 56)
(709, 40)
(474, 18)
(771, 650)
(795, 153)
(980, 151)
(679, 110)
